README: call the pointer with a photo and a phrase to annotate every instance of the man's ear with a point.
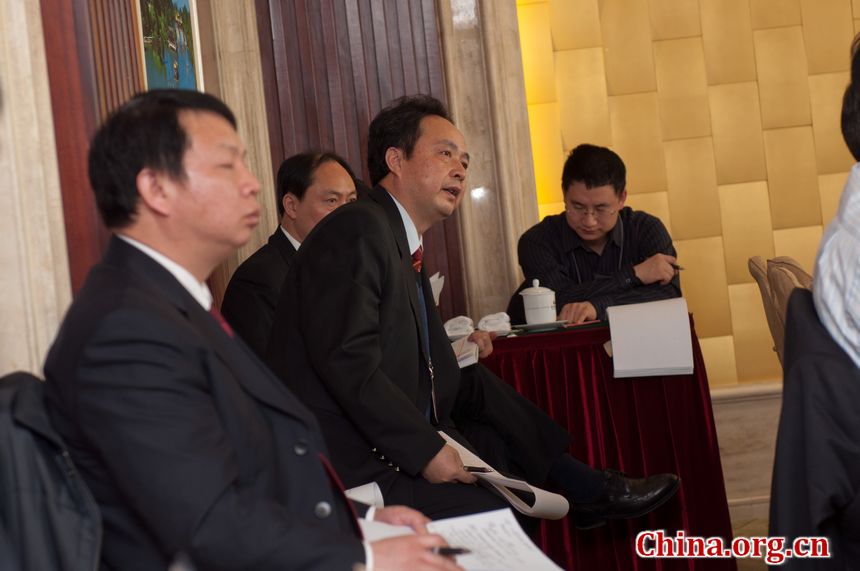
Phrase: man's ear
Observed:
(155, 190)
(622, 198)
(290, 203)
(393, 158)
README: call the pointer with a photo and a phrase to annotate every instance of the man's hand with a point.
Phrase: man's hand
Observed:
(402, 515)
(578, 312)
(411, 552)
(484, 340)
(657, 268)
(446, 466)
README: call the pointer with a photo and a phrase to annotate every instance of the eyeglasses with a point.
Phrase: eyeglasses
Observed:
(601, 212)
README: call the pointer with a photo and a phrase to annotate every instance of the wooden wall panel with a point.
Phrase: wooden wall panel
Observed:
(330, 65)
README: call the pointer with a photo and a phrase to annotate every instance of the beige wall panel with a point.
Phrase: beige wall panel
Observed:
(635, 122)
(672, 19)
(719, 355)
(825, 95)
(799, 243)
(792, 177)
(703, 283)
(855, 7)
(682, 89)
(654, 203)
(736, 125)
(782, 77)
(726, 33)
(856, 25)
(774, 13)
(827, 33)
(536, 42)
(756, 360)
(745, 212)
(830, 190)
(583, 106)
(627, 43)
(694, 203)
(546, 151)
(549, 208)
(575, 24)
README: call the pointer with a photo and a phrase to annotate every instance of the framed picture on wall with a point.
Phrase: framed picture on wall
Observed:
(168, 39)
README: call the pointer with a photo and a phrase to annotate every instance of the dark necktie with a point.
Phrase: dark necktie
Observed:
(418, 258)
(221, 321)
(417, 263)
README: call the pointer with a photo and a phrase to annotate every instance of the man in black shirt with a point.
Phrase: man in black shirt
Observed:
(597, 253)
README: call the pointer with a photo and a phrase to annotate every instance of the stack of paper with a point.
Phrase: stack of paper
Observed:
(651, 339)
(467, 351)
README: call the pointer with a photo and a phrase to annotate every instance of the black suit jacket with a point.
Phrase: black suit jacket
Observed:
(816, 476)
(347, 340)
(253, 292)
(187, 441)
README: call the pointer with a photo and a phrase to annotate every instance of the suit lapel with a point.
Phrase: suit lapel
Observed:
(381, 197)
(283, 245)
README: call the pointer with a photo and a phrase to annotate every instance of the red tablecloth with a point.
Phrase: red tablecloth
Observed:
(641, 426)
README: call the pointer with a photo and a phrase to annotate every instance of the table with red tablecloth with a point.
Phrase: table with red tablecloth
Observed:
(640, 426)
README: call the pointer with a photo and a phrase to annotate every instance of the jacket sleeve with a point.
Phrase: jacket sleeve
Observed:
(249, 307)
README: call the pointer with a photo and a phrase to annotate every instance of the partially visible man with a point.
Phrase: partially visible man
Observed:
(309, 186)
(356, 336)
(190, 446)
(598, 253)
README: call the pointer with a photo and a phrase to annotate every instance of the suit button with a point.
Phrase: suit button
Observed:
(322, 510)
(300, 448)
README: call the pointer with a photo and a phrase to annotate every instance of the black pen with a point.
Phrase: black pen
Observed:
(677, 267)
(479, 469)
(450, 551)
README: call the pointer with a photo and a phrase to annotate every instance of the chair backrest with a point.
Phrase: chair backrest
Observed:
(782, 282)
(775, 322)
(792, 265)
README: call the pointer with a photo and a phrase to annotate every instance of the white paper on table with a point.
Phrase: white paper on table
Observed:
(368, 494)
(437, 281)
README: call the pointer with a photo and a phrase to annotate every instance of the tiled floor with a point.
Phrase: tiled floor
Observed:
(750, 528)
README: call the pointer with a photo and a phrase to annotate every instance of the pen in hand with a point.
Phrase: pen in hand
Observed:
(449, 551)
(677, 267)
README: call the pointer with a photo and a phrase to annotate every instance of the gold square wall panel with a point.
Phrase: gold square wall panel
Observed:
(635, 122)
(736, 125)
(694, 203)
(536, 44)
(855, 8)
(550, 208)
(798, 243)
(825, 95)
(754, 355)
(584, 108)
(547, 152)
(856, 25)
(774, 13)
(827, 34)
(575, 24)
(747, 231)
(682, 88)
(671, 19)
(654, 203)
(830, 188)
(703, 283)
(792, 177)
(627, 43)
(782, 77)
(726, 34)
(719, 356)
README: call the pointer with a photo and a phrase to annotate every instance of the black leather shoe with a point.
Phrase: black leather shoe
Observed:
(625, 498)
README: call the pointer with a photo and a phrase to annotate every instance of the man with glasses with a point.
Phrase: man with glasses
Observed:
(597, 253)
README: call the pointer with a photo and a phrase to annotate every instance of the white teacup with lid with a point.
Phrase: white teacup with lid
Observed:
(539, 303)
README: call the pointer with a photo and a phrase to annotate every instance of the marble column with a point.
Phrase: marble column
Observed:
(486, 96)
(232, 70)
(35, 279)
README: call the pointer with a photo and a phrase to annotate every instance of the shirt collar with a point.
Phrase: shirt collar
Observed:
(411, 231)
(198, 290)
(296, 243)
(572, 240)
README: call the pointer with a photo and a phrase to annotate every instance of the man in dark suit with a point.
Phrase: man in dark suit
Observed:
(309, 186)
(190, 446)
(356, 337)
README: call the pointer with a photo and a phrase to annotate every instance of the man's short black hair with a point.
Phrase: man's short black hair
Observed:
(594, 166)
(144, 132)
(399, 126)
(296, 174)
(851, 104)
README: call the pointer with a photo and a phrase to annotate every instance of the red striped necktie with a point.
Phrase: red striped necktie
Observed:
(418, 258)
(213, 311)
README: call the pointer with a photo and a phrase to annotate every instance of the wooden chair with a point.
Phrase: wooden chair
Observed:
(776, 324)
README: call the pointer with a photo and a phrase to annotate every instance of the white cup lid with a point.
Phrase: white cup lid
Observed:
(536, 289)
